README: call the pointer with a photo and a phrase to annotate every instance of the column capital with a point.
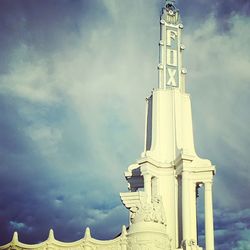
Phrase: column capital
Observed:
(208, 187)
(147, 174)
(208, 183)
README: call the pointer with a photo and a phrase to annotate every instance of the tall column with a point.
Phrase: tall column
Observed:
(185, 207)
(209, 224)
(147, 186)
(193, 212)
(146, 128)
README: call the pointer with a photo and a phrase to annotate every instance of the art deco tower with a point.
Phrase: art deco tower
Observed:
(163, 182)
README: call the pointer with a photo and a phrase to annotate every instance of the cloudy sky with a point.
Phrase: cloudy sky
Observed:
(74, 75)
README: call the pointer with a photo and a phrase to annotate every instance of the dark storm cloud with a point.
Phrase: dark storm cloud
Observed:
(37, 192)
(228, 7)
(200, 9)
(197, 11)
(231, 228)
(19, 165)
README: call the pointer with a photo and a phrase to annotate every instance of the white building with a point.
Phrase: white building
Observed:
(163, 183)
(169, 171)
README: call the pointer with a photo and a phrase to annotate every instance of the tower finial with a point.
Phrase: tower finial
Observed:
(170, 4)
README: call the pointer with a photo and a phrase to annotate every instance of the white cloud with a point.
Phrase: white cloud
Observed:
(243, 244)
(47, 138)
(30, 80)
(20, 226)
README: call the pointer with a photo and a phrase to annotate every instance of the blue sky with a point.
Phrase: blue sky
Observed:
(74, 75)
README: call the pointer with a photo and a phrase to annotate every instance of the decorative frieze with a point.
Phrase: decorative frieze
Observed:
(87, 243)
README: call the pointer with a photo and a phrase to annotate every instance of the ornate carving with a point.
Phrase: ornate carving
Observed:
(148, 212)
(171, 13)
(142, 244)
(190, 245)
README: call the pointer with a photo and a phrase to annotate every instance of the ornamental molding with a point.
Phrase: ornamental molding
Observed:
(137, 243)
(190, 245)
(86, 243)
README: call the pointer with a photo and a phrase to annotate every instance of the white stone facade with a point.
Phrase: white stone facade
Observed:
(169, 171)
(163, 183)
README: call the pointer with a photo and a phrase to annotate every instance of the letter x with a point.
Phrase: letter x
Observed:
(171, 80)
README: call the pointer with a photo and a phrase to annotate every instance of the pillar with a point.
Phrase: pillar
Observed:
(209, 224)
(147, 186)
(185, 207)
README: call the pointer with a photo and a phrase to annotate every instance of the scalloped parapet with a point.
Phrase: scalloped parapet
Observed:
(86, 243)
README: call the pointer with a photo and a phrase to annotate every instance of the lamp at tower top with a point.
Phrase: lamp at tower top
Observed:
(170, 4)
